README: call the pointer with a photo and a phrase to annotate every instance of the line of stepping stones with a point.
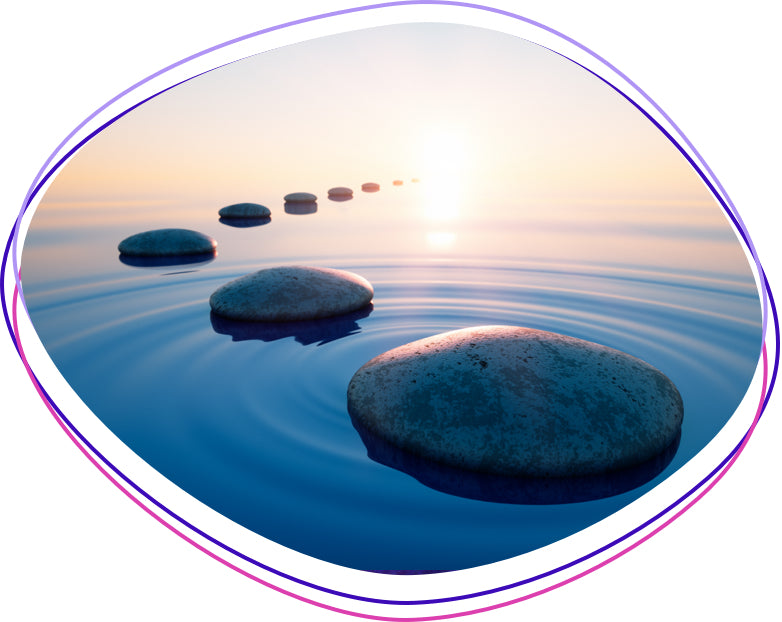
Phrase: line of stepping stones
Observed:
(503, 401)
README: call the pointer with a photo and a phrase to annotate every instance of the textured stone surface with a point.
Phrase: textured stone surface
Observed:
(300, 197)
(517, 401)
(291, 293)
(370, 187)
(245, 210)
(340, 191)
(167, 242)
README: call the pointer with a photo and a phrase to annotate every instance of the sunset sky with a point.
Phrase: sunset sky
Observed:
(505, 135)
(427, 100)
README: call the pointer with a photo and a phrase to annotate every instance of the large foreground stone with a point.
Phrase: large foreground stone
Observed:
(167, 242)
(291, 293)
(517, 401)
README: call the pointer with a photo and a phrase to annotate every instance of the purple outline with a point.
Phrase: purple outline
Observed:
(726, 204)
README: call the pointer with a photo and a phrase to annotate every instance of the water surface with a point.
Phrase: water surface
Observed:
(252, 420)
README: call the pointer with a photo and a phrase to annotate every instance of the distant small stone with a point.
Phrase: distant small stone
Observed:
(245, 210)
(300, 197)
(398, 182)
(370, 187)
(516, 401)
(340, 191)
(290, 294)
(167, 242)
(415, 180)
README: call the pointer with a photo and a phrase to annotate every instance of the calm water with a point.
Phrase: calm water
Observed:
(253, 420)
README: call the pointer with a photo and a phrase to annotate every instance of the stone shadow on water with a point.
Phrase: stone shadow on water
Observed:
(165, 261)
(509, 489)
(245, 222)
(305, 332)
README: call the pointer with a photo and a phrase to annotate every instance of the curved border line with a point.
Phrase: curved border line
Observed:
(37, 185)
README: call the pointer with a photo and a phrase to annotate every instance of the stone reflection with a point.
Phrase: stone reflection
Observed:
(245, 222)
(508, 489)
(166, 261)
(305, 332)
(300, 208)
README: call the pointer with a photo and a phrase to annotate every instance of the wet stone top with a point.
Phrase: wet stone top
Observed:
(245, 210)
(340, 191)
(300, 197)
(291, 293)
(517, 401)
(167, 242)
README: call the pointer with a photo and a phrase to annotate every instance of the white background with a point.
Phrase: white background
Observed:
(72, 547)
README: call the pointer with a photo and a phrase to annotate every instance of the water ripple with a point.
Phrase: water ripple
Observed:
(239, 415)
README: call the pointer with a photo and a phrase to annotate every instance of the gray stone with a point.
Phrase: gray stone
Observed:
(245, 210)
(340, 191)
(300, 197)
(291, 293)
(517, 401)
(370, 187)
(166, 243)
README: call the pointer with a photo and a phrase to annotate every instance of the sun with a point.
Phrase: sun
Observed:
(444, 155)
(444, 166)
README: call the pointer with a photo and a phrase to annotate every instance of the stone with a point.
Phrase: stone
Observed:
(340, 191)
(245, 210)
(370, 187)
(300, 197)
(398, 182)
(167, 243)
(516, 401)
(291, 294)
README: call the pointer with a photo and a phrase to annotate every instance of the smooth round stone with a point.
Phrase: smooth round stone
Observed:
(370, 187)
(517, 401)
(290, 294)
(340, 191)
(398, 182)
(245, 210)
(167, 242)
(300, 197)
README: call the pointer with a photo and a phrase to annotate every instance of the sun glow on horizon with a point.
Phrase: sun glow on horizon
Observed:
(445, 161)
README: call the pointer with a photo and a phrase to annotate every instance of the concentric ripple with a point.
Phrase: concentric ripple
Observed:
(252, 420)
